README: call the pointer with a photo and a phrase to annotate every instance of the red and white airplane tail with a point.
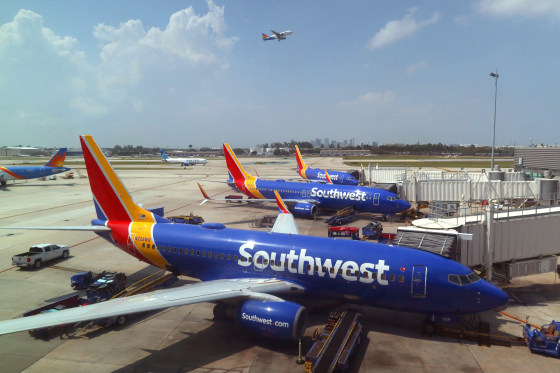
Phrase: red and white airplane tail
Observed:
(301, 164)
(112, 200)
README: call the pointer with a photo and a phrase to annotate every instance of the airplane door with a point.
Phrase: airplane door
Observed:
(376, 197)
(419, 274)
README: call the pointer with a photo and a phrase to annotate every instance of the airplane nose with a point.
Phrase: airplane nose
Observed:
(492, 296)
(404, 205)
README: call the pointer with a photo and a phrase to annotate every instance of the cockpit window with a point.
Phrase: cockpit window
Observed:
(463, 279)
(473, 277)
(454, 279)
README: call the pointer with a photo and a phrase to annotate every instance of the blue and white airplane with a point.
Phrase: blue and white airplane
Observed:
(256, 276)
(52, 167)
(337, 177)
(183, 161)
(306, 198)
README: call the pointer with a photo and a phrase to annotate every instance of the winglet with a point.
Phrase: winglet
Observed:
(204, 194)
(329, 181)
(58, 159)
(285, 222)
(281, 205)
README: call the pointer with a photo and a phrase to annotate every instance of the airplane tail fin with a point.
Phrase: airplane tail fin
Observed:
(235, 169)
(163, 155)
(265, 36)
(58, 159)
(112, 200)
(301, 164)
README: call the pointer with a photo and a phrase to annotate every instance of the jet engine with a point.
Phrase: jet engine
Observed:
(279, 320)
(305, 209)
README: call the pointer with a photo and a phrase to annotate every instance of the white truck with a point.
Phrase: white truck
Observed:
(39, 254)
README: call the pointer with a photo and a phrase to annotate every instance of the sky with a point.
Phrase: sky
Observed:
(178, 73)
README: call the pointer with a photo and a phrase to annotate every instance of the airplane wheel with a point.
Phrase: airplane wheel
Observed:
(121, 320)
(37, 264)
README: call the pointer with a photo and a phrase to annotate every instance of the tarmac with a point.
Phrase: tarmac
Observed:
(186, 339)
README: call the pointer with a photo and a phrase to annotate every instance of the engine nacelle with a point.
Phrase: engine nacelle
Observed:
(305, 209)
(280, 320)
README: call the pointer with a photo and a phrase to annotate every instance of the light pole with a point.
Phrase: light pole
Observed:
(495, 76)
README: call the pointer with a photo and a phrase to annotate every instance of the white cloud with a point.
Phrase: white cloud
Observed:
(132, 76)
(412, 69)
(520, 8)
(132, 57)
(371, 98)
(397, 30)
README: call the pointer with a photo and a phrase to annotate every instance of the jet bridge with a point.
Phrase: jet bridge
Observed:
(441, 242)
(523, 241)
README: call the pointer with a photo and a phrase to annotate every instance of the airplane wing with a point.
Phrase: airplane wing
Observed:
(278, 34)
(84, 228)
(209, 291)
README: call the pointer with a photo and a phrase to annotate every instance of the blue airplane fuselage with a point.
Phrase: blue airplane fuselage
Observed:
(337, 177)
(327, 195)
(354, 271)
(29, 172)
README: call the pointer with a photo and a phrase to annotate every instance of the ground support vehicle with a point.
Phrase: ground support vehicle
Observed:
(372, 231)
(352, 232)
(105, 287)
(49, 332)
(234, 198)
(108, 285)
(39, 254)
(335, 344)
(545, 340)
(187, 219)
(82, 280)
(343, 216)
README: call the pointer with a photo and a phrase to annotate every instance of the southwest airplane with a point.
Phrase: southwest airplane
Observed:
(307, 197)
(255, 275)
(52, 167)
(337, 177)
(277, 35)
(183, 161)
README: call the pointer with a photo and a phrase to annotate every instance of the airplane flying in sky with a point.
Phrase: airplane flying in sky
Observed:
(277, 35)
(52, 167)
(257, 276)
(183, 161)
(307, 197)
(337, 177)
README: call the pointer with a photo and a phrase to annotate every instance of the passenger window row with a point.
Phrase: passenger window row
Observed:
(192, 252)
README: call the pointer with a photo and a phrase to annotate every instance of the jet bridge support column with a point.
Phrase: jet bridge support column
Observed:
(489, 239)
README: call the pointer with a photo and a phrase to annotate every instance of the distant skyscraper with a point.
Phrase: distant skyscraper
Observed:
(352, 142)
(326, 142)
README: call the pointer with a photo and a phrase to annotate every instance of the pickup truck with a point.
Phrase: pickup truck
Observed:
(39, 254)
